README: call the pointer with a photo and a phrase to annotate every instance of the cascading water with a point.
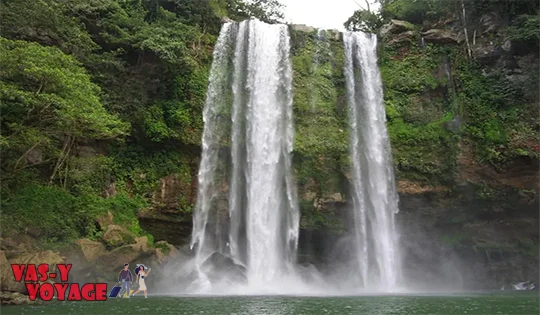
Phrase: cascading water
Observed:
(250, 86)
(321, 44)
(246, 162)
(374, 195)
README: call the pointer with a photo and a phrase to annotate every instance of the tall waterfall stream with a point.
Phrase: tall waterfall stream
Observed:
(253, 224)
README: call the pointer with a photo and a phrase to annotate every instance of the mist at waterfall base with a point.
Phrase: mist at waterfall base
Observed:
(246, 221)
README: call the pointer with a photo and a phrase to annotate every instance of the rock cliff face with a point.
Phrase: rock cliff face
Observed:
(454, 206)
(468, 187)
(484, 216)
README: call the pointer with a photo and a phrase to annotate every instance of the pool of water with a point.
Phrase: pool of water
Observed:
(522, 303)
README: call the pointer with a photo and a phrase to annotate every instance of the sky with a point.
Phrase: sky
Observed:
(326, 14)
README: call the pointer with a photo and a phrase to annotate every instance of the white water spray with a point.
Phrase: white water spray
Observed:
(375, 199)
(246, 160)
(263, 210)
(321, 46)
(211, 141)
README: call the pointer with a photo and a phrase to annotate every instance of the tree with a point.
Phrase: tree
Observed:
(48, 103)
(365, 21)
(46, 22)
(269, 11)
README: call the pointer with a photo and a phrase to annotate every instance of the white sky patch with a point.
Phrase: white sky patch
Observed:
(325, 14)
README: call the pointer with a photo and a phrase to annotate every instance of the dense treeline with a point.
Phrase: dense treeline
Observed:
(419, 11)
(422, 10)
(98, 92)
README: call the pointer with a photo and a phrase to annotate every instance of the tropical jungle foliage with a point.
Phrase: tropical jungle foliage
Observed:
(102, 98)
(100, 92)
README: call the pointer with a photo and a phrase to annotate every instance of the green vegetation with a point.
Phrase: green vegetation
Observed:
(420, 11)
(102, 98)
(365, 21)
(455, 240)
(525, 27)
(312, 219)
(105, 97)
(321, 143)
(521, 15)
(436, 96)
(54, 214)
(418, 106)
(528, 246)
(414, 11)
(450, 103)
(269, 11)
(502, 122)
(164, 247)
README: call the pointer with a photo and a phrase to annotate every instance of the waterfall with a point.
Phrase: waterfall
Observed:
(211, 140)
(249, 98)
(375, 199)
(321, 44)
(247, 209)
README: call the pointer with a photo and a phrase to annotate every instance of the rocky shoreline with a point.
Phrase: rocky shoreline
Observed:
(93, 261)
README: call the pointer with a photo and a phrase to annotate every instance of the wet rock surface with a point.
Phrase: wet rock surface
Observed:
(395, 27)
(15, 298)
(173, 228)
(220, 267)
(441, 36)
(91, 250)
(93, 260)
(7, 278)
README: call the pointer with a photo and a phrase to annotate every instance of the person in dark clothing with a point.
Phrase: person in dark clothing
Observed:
(125, 277)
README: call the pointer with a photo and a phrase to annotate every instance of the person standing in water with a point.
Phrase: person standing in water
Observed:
(125, 277)
(141, 275)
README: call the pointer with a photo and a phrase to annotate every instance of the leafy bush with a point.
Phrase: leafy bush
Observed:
(141, 170)
(414, 11)
(56, 215)
(525, 27)
(365, 21)
(131, 74)
(419, 11)
(47, 101)
(123, 208)
(49, 212)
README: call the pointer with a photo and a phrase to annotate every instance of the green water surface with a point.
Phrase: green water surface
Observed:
(522, 303)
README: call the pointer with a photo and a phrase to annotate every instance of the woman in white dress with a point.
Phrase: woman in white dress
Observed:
(141, 275)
